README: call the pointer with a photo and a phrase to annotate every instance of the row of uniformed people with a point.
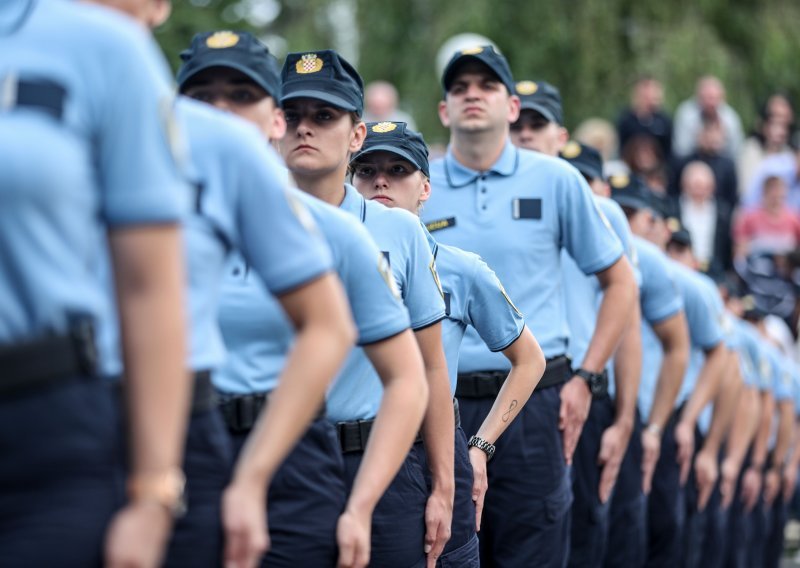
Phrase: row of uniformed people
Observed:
(322, 113)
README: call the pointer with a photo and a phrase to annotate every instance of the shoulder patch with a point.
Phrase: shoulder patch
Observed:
(440, 224)
(386, 273)
(432, 267)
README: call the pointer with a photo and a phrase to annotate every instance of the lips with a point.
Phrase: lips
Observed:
(304, 147)
(382, 199)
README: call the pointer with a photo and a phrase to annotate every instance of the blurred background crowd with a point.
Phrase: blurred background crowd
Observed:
(695, 97)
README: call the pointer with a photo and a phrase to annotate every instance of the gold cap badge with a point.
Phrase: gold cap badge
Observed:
(619, 180)
(472, 50)
(308, 63)
(571, 150)
(673, 224)
(527, 88)
(383, 127)
(221, 40)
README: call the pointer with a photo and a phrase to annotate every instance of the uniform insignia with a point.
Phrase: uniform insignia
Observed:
(308, 63)
(748, 303)
(447, 304)
(506, 296)
(673, 224)
(526, 87)
(175, 139)
(440, 224)
(619, 180)
(221, 40)
(471, 50)
(435, 274)
(301, 212)
(384, 127)
(571, 150)
(764, 368)
(386, 273)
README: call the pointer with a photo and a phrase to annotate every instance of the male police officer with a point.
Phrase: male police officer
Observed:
(484, 201)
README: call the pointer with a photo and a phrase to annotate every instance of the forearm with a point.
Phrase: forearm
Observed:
(784, 437)
(628, 365)
(794, 458)
(760, 445)
(619, 296)
(743, 429)
(674, 338)
(707, 384)
(724, 405)
(527, 368)
(149, 286)
(438, 430)
(396, 426)
(316, 357)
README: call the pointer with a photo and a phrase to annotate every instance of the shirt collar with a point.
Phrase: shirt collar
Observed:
(459, 175)
(354, 202)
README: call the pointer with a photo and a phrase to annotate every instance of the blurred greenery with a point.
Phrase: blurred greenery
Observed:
(591, 49)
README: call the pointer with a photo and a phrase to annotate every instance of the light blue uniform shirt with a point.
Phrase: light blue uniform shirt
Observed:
(796, 389)
(748, 353)
(97, 156)
(517, 216)
(704, 316)
(357, 391)
(256, 330)
(660, 299)
(473, 296)
(583, 293)
(239, 202)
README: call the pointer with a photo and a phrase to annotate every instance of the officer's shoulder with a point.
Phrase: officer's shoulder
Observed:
(555, 167)
(104, 31)
(230, 132)
(463, 261)
(649, 253)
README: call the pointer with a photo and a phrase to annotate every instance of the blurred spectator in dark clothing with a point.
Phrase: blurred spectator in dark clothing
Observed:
(646, 115)
(710, 143)
(643, 155)
(773, 228)
(708, 101)
(707, 218)
(770, 138)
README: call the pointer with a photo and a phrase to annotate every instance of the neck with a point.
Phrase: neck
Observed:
(328, 188)
(478, 150)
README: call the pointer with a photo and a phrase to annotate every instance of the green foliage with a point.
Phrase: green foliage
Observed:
(591, 49)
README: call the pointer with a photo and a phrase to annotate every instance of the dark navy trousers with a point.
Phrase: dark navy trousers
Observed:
(197, 539)
(61, 473)
(526, 516)
(305, 499)
(398, 522)
(462, 549)
(627, 537)
(590, 518)
(666, 507)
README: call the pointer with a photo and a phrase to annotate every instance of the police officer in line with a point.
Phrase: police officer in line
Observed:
(481, 187)
(239, 203)
(707, 359)
(392, 168)
(665, 351)
(86, 166)
(605, 437)
(258, 337)
(703, 518)
(610, 424)
(322, 99)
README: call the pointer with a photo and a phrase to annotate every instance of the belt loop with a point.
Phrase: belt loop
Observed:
(364, 427)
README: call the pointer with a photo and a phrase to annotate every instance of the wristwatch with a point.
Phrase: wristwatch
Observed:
(165, 489)
(483, 446)
(597, 382)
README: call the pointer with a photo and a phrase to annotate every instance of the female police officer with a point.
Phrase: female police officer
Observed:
(322, 101)
(83, 150)
(392, 168)
(239, 77)
(240, 203)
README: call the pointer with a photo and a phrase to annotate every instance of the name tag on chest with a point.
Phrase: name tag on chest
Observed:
(526, 208)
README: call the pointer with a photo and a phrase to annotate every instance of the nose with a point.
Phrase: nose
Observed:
(381, 181)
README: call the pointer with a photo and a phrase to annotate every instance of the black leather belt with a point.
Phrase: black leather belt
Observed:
(241, 411)
(353, 436)
(204, 397)
(486, 384)
(39, 362)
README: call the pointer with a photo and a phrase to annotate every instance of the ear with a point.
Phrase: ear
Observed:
(160, 14)
(278, 126)
(445, 120)
(514, 108)
(357, 139)
(426, 189)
